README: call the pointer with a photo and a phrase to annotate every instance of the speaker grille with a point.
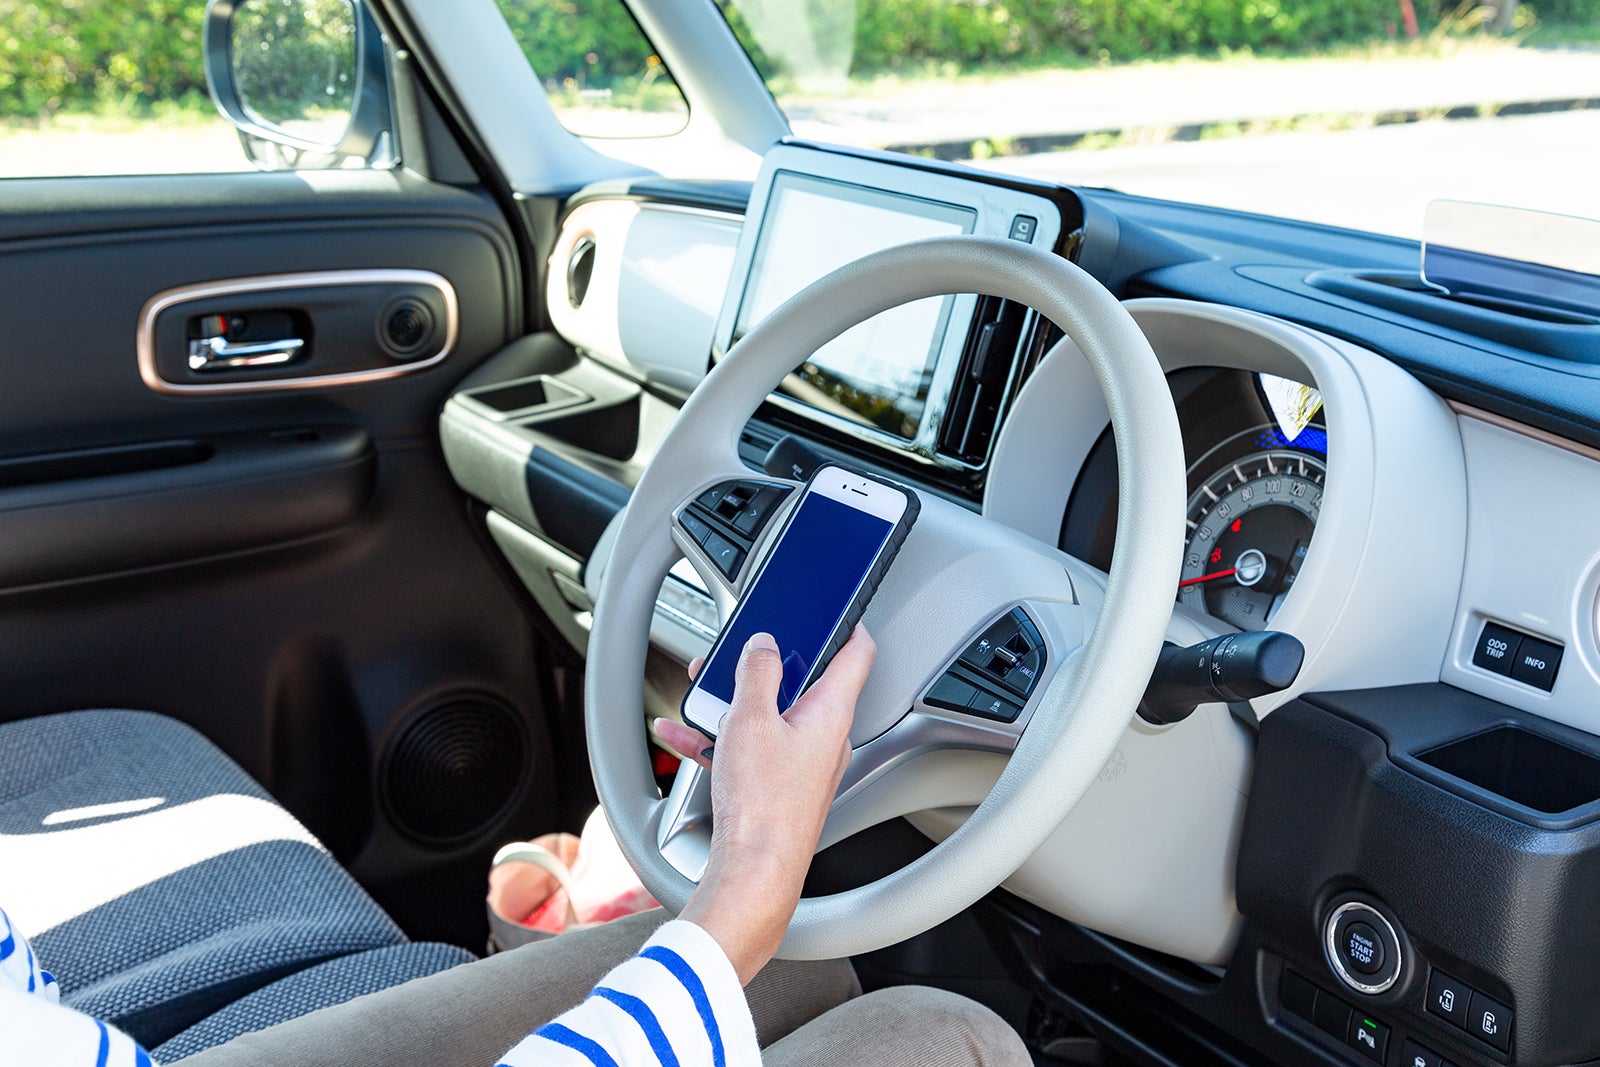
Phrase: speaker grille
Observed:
(455, 768)
(406, 328)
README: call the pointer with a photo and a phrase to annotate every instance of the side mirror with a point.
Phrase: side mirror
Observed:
(305, 82)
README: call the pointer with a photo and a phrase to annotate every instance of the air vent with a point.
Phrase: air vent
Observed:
(999, 332)
(453, 770)
(580, 270)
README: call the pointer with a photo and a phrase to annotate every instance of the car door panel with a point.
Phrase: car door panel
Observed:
(289, 568)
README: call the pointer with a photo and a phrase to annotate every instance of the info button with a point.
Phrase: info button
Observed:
(1537, 662)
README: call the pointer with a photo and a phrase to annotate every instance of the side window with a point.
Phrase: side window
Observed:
(601, 73)
(120, 87)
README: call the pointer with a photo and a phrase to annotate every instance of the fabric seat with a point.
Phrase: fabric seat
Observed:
(161, 884)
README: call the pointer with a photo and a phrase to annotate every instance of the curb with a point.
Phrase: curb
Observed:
(1039, 143)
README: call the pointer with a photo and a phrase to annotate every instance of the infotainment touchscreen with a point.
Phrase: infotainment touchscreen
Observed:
(880, 372)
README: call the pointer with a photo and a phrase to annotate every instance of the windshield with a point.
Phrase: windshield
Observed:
(1350, 112)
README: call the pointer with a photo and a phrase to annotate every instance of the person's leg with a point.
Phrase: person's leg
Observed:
(903, 1026)
(470, 1015)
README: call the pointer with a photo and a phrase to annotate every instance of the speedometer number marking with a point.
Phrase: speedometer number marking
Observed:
(1251, 522)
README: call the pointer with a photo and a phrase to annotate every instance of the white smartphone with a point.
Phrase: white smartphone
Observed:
(812, 589)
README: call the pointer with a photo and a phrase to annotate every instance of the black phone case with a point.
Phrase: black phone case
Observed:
(864, 595)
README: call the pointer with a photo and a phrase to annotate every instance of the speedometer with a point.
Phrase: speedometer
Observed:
(1249, 525)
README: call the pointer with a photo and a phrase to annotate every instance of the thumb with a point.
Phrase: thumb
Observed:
(760, 672)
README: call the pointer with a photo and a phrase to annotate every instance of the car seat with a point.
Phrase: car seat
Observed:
(170, 895)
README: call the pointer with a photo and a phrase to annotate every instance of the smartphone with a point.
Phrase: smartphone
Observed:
(812, 589)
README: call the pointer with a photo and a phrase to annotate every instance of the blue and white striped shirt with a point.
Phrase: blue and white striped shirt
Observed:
(678, 1003)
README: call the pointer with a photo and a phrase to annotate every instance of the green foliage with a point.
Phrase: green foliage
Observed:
(295, 61)
(891, 34)
(86, 54)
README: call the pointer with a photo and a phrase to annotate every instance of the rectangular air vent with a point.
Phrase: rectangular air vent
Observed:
(1000, 332)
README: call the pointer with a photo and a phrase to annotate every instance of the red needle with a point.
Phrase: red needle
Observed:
(1230, 572)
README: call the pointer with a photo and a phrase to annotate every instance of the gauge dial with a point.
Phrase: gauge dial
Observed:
(1249, 525)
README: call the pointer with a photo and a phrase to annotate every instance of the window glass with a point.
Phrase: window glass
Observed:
(92, 87)
(602, 75)
(1356, 113)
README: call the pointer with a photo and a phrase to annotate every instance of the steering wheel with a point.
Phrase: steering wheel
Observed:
(955, 575)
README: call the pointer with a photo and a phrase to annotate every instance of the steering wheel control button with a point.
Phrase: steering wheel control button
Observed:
(726, 555)
(1369, 1037)
(712, 497)
(1362, 948)
(951, 694)
(1009, 656)
(1448, 998)
(1489, 1021)
(1496, 649)
(1536, 663)
(994, 706)
(695, 527)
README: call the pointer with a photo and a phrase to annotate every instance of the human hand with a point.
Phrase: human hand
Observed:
(773, 780)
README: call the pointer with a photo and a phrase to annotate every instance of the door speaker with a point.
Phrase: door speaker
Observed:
(405, 328)
(455, 768)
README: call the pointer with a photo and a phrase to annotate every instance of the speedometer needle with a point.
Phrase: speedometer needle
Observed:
(1229, 573)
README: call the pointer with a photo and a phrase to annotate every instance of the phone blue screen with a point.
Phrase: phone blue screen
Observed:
(803, 592)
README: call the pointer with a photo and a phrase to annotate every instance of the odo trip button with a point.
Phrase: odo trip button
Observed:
(1497, 648)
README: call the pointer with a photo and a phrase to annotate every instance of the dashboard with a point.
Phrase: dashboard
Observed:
(1421, 512)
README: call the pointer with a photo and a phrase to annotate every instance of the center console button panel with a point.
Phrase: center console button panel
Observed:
(1473, 828)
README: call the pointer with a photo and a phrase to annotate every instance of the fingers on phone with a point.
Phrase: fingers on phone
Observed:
(694, 667)
(760, 673)
(683, 741)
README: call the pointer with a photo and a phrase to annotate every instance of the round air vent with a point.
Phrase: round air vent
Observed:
(405, 328)
(452, 771)
(580, 269)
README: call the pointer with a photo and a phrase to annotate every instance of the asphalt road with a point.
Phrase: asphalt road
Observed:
(1379, 178)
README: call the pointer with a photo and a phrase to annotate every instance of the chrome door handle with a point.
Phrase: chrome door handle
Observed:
(215, 353)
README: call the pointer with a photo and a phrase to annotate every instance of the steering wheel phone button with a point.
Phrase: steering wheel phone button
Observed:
(1489, 1021)
(1497, 648)
(724, 553)
(1448, 998)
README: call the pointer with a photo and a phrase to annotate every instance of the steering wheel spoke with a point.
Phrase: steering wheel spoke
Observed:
(956, 574)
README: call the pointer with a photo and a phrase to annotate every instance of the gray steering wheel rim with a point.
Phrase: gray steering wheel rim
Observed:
(1086, 707)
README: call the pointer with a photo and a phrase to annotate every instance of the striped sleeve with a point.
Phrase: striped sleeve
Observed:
(19, 968)
(37, 1030)
(42, 1033)
(678, 1003)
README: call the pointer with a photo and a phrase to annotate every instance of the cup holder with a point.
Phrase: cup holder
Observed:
(524, 397)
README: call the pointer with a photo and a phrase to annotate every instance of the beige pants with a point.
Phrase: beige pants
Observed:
(806, 1014)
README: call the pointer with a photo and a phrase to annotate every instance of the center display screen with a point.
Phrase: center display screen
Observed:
(879, 372)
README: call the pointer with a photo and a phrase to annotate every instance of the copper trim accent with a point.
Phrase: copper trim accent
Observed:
(1524, 430)
(145, 340)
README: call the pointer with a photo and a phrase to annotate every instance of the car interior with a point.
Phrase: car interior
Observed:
(1236, 684)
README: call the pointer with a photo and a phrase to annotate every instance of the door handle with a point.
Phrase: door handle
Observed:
(207, 354)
